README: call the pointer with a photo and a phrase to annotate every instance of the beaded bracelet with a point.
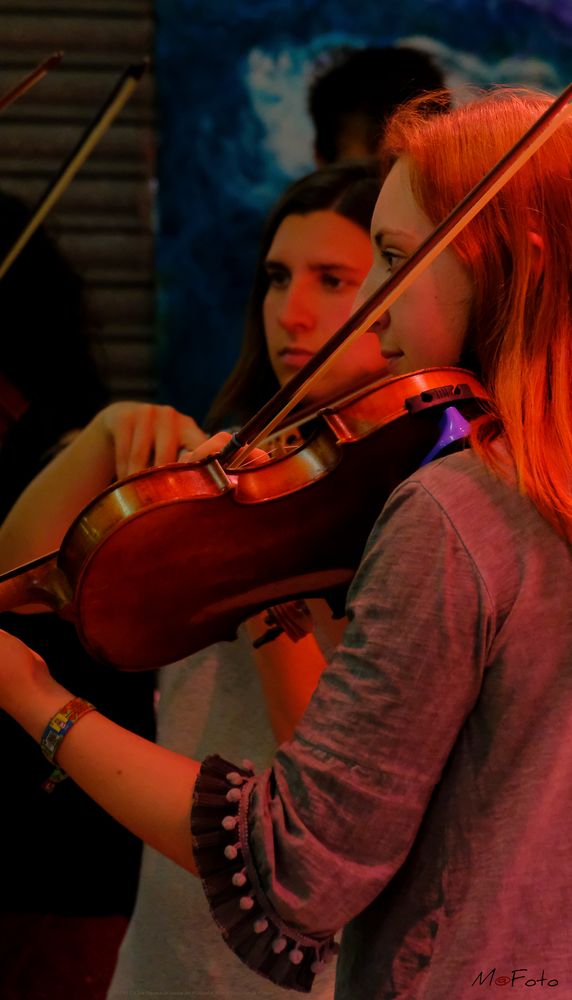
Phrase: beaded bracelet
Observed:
(58, 726)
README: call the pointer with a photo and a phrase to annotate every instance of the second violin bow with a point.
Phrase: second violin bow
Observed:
(30, 80)
(111, 108)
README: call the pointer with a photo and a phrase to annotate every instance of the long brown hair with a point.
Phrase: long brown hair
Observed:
(518, 251)
(351, 190)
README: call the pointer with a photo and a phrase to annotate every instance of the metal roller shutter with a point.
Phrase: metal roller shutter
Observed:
(103, 220)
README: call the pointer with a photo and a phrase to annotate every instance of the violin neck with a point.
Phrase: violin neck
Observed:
(39, 582)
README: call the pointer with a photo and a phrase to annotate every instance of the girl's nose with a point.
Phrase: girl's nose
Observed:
(380, 324)
(296, 312)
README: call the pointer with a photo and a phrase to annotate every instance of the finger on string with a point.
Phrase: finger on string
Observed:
(212, 446)
(167, 435)
(122, 437)
(189, 436)
(141, 453)
(192, 436)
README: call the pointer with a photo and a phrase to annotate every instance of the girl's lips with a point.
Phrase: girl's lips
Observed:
(392, 359)
(294, 358)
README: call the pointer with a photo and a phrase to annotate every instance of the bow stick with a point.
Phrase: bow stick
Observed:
(30, 80)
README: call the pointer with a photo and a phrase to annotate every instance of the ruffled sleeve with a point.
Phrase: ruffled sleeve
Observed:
(249, 925)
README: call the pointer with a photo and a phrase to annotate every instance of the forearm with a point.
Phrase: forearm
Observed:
(44, 511)
(120, 440)
(145, 787)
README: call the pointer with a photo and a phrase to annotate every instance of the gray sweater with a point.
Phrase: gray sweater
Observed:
(425, 801)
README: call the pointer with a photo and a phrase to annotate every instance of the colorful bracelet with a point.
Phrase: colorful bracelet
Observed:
(58, 726)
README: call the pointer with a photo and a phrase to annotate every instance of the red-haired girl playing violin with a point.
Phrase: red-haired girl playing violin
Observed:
(424, 801)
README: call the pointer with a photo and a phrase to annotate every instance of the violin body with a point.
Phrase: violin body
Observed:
(174, 558)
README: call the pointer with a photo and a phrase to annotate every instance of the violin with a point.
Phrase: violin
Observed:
(174, 558)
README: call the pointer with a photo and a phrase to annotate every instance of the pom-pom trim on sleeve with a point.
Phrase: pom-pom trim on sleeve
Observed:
(248, 925)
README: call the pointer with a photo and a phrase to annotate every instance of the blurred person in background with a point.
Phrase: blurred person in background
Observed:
(69, 871)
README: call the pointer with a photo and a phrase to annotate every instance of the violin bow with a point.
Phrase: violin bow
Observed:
(105, 116)
(30, 80)
(261, 425)
(13, 403)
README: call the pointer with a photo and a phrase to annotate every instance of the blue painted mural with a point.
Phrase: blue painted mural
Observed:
(231, 78)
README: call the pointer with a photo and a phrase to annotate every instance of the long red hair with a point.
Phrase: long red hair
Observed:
(519, 253)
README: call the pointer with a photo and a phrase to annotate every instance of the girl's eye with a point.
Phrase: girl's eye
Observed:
(277, 277)
(390, 259)
(332, 280)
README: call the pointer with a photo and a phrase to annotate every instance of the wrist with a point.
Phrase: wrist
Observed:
(60, 724)
(34, 706)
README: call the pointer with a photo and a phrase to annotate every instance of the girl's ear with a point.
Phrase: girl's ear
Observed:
(537, 252)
